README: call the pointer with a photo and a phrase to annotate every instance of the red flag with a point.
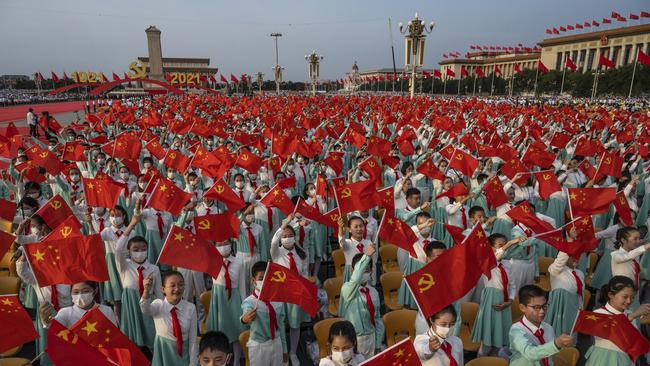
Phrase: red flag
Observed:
(590, 201)
(616, 328)
(55, 78)
(440, 282)
(217, 227)
(450, 73)
(66, 348)
(437, 74)
(249, 161)
(378, 147)
(210, 163)
(182, 249)
(525, 214)
(548, 184)
(401, 353)
(463, 162)
(623, 209)
(55, 211)
(495, 193)
(7, 211)
(570, 65)
(395, 231)
(68, 261)
(610, 164)
(74, 151)
(455, 191)
(642, 58)
(385, 198)
(223, 79)
(44, 158)
(168, 197)
(115, 77)
(604, 61)
(560, 140)
(17, 327)
(310, 212)
(70, 228)
(541, 67)
(177, 160)
(497, 70)
(101, 192)
(465, 73)
(283, 285)
(356, 138)
(633, 17)
(645, 14)
(479, 72)
(373, 168)
(455, 232)
(331, 218)
(355, 196)
(233, 78)
(334, 160)
(221, 191)
(99, 332)
(277, 198)
(430, 170)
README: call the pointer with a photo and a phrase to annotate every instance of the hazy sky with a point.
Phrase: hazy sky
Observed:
(92, 35)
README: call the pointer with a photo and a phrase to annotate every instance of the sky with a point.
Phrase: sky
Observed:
(92, 35)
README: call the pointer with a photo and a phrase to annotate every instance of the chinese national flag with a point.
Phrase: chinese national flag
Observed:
(463, 162)
(401, 353)
(386, 198)
(378, 147)
(277, 198)
(610, 164)
(126, 146)
(221, 191)
(355, 196)
(155, 148)
(282, 146)
(495, 193)
(101, 192)
(6, 240)
(66, 348)
(435, 286)
(335, 161)
(397, 232)
(182, 249)
(168, 197)
(73, 151)
(287, 182)
(55, 77)
(55, 211)
(560, 140)
(585, 238)
(623, 208)
(7, 209)
(604, 61)
(479, 72)
(430, 170)
(586, 147)
(217, 227)
(570, 65)
(642, 58)
(283, 285)
(209, 163)
(590, 201)
(356, 138)
(17, 327)
(177, 160)
(513, 166)
(548, 183)
(99, 332)
(321, 186)
(455, 191)
(525, 214)
(455, 232)
(44, 158)
(450, 73)
(616, 328)
(56, 261)
(249, 161)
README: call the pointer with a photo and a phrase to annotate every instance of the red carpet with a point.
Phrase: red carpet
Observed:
(19, 112)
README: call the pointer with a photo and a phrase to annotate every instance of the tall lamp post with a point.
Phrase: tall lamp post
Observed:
(314, 69)
(277, 69)
(260, 81)
(414, 46)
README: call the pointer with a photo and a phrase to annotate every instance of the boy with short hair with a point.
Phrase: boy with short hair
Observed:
(214, 349)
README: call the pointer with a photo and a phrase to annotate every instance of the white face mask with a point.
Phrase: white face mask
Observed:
(28, 212)
(225, 250)
(34, 230)
(442, 332)
(312, 191)
(239, 184)
(258, 285)
(124, 176)
(171, 175)
(425, 231)
(365, 278)
(74, 177)
(498, 252)
(288, 243)
(117, 220)
(147, 165)
(83, 300)
(343, 357)
(139, 257)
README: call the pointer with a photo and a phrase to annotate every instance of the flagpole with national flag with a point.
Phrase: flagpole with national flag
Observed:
(536, 75)
(636, 61)
(563, 75)
(494, 71)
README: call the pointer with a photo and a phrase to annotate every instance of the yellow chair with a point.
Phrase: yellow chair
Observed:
(243, 339)
(322, 331)
(566, 357)
(468, 312)
(205, 298)
(544, 263)
(388, 255)
(586, 297)
(10, 352)
(399, 324)
(7, 267)
(487, 361)
(339, 262)
(390, 283)
(332, 287)
(9, 285)
(14, 361)
(514, 308)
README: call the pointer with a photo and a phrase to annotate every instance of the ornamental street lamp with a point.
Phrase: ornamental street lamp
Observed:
(260, 81)
(314, 69)
(277, 69)
(414, 46)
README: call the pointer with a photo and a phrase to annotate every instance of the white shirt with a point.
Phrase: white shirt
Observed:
(237, 276)
(44, 294)
(609, 236)
(623, 261)
(439, 357)
(202, 209)
(495, 281)
(280, 255)
(357, 359)
(150, 218)
(562, 276)
(160, 310)
(128, 270)
(455, 214)
(350, 248)
(109, 236)
(602, 342)
(68, 316)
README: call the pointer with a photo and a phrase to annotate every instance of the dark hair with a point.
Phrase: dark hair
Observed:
(32, 185)
(529, 292)
(405, 166)
(615, 285)
(305, 189)
(496, 236)
(215, 341)
(422, 214)
(343, 328)
(168, 274)
(136, 239)
(435, 244)
(257, 268)
(238, 175)
(481, 177)
(449, 309)
(475, 209)
(29, 201)
(124, 213)
(357, 257)
(623, 233)
(301, 251)
(411, 192)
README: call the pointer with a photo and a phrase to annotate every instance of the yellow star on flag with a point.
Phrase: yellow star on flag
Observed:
(39, 255)
(90, 327)
(178, 236)
(7, 302)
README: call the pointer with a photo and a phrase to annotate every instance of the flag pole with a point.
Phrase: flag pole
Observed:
(474, 88)
(636, 60)
(444, 88)
(536, 74)
(433, 80)
(492, 84)
(563, 75)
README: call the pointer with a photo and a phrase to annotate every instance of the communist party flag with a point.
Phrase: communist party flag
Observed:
(155, 148)
(401, 353)
(217, 227)
(623, 208)
(308, 211)
(548, 183)
(101, 192)
(168, 197)
(455, 232)
(56, 261)
(355, 196)
(331, 218)
(590, 201)
(44, 158)
(17, 327)
(610, 164)
(284, 285)
(182, 249)
(616, 328)
(455, 191)
(463, 162)
(68, 229)
(221, 191)
(335, 161)
(430, 170)
(277, 198)
(397, 232)
(66, 348)
(55, 211)
(495, 193)
(74, 151)
(525, 214)
(249, 161)
(435, 286)
(96, 330)
(373, 169)
(176, 160)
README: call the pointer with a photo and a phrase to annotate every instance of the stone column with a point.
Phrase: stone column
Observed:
(155, 53)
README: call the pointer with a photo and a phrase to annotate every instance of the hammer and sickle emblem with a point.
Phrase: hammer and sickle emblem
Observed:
(425, 282)
(56, 204)
(204, 224)
(244, 157)
(546, 176)
(44, 154)
(66, 231)
(622, 200)
(459, 157)
(279, 276)
(346, 193)
(335, 217)
(608, 161)
(172, 155)
(525, 208)
(69, 149)
(371, 163)
(219, 189)
(335, 157)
